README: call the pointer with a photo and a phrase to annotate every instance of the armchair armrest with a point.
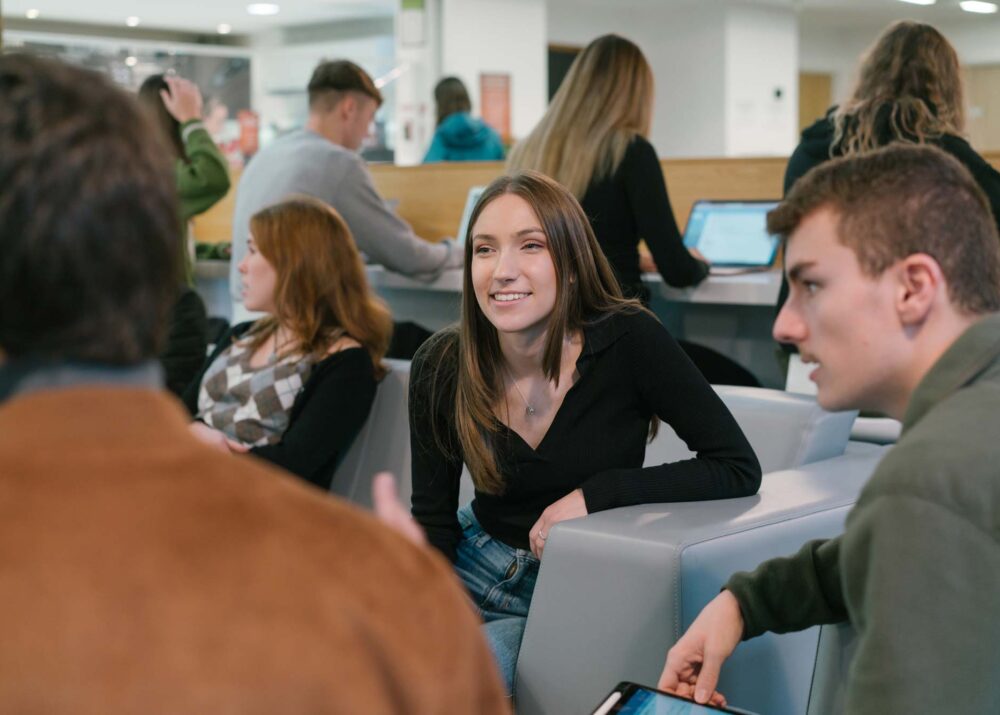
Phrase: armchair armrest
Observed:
(617, 588)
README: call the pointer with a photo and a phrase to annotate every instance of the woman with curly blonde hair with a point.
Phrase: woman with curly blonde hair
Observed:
(909, 89)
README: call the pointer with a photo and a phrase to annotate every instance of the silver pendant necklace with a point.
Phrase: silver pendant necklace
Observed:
(529, 411)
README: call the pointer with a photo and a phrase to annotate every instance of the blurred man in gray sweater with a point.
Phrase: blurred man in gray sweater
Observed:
(321, 160)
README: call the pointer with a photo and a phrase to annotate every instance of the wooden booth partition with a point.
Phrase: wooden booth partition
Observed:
(691, 179)
(216, 224)
(431, 197)
(993, 157)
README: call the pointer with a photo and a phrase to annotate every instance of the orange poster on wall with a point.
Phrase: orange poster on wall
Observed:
(494, 94)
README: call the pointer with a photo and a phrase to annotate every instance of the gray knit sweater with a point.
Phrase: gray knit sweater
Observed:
(303, 162)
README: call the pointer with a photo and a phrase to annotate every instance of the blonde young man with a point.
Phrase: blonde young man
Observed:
(894, 265)
(322, 160)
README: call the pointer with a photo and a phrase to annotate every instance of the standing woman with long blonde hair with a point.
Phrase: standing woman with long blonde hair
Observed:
(909, 89)
(593, 140)
(296, 386)
(547, 391)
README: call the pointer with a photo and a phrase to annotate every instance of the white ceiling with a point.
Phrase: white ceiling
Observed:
(203, 16)
(199, 15)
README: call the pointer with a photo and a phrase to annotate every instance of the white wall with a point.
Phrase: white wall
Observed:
(977, 43)
(761, 85)
(418, 58)
(499, 36)
(280, 73)
(835, 52)
(684, 46)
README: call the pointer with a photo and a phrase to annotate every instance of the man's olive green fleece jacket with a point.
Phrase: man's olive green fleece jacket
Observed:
(917, 570)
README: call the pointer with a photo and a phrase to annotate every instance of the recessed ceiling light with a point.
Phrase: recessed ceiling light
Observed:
(985, 8)
(132, 21)
(224, 29)
(920, 2)
(263, 8)
(32, 14)
(131, 61)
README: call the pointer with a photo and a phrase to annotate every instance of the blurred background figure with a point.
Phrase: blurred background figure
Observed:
(460, 136)
(202, 179)
(216, 114)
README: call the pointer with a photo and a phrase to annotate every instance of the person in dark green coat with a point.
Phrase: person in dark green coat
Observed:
(893, 260)
(200, 169)
(202, 180)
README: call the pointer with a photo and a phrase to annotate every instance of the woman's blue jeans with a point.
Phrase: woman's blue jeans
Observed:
(500, 580)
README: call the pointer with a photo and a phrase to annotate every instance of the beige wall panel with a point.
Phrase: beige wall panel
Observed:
(982, 88)
(815, 96)
(431, 197)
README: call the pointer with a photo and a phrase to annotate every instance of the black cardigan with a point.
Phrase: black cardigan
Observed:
(325, 418)
(630, 370)
(630, 205)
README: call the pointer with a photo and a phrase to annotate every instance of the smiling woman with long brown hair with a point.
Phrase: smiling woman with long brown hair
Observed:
(548, 390)
(296, 386)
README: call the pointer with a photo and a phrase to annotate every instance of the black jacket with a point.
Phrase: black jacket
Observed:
(633, 205)
(186, 341)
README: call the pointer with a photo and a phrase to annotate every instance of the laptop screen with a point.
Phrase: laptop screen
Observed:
(732, 233)
(470, 203)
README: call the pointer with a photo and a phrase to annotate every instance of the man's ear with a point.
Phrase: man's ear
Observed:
(347, 106)
(921, 282)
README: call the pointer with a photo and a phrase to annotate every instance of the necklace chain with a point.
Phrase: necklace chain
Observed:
(529, 411)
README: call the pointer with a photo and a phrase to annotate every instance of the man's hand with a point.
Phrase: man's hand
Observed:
(390, 510)
(183, 101)
(696, 659)
(570, 506)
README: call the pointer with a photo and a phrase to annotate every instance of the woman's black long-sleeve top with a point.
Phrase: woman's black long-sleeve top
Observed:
(630, 369)
(632, 205)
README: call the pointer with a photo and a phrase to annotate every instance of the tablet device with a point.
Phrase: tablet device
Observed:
(471, 199)
(633, 699)
(732, 234)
